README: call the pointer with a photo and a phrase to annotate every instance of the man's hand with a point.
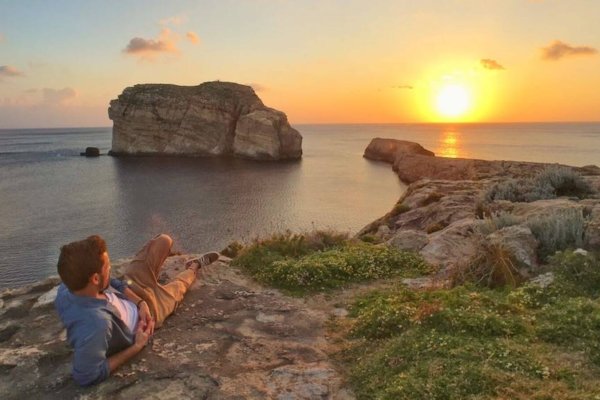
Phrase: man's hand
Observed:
(145, 318)
(142, 334)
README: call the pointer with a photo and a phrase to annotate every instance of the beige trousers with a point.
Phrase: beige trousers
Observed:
(142, 275)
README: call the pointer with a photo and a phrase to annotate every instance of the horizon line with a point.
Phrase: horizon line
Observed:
(345, 123)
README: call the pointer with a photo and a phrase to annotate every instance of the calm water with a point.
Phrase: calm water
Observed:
(50, 195)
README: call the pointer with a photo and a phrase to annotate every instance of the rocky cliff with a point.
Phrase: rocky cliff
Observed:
(211, 119)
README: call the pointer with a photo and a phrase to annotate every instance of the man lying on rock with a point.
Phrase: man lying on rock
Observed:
(109, 321)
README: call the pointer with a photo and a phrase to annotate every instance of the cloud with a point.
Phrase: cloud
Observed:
(488, 63)
(557, 50)
(149, 48)
(192, 37)
(8, 71)
(33, 90)
(1, 38)
(175, 20)
(58, 96)
(410, 87)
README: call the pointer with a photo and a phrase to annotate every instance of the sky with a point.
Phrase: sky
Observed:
(327, 61)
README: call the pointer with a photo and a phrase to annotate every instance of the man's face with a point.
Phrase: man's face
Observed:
(104, 272)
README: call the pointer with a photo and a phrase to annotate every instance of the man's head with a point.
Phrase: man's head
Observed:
(83, 262)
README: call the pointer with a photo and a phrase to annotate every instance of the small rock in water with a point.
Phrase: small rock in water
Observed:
(91, 152)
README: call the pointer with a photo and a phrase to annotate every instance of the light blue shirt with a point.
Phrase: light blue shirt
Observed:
(95, 331)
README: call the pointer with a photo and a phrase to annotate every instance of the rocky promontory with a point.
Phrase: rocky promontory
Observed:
(211, 119)
(456, 211)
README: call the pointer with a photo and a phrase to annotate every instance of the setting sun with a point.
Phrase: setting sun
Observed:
(453, 101)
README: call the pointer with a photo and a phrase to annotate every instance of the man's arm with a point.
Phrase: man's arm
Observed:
(118, 359)
(144, 310)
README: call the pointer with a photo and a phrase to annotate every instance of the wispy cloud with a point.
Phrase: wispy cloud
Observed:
(488, 63)
(410, 87)
(149, 48)
(7, 71)
(557, 50)
(175, 20)
(192, 37)
(58, 96)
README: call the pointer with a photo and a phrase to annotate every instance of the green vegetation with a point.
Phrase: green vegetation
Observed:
(303, 263)
(465, 342)
(559, 231)
(552, 182)
(554, 232)
(399, 208)
(470, 342)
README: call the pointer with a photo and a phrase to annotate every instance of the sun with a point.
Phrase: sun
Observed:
(453, 100)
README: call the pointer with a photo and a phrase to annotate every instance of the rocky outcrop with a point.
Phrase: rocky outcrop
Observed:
(445, 215)
(412, 162)
(387, 149)
(229, 339)
(211, 119)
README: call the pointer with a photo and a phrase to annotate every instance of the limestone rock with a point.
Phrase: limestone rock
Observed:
(385, 149)
(409, 239)
(592, 230)
(519, 242)
(211, 119)
(452, 245)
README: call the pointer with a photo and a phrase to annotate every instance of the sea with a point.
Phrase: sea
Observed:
(50, 195)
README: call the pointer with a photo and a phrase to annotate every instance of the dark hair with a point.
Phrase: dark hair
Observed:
(78, 261)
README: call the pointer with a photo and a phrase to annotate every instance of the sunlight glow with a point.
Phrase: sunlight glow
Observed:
(453, 100)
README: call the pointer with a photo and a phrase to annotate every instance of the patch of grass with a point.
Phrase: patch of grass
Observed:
(470, 342)
(370, 238)
(265, 251)
(399, 208)
(302, 264)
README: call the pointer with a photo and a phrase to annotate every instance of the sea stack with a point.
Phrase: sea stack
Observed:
(211, 119)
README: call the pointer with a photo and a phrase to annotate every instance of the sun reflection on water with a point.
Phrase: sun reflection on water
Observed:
(449, 144)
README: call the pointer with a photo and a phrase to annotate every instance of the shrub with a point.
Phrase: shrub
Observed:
(553, 181)
(232, 249)
(558, 231)
(370, 238)
(565, 181)
(579, 274)
(496, 222)
(492, 266)
(399, 208)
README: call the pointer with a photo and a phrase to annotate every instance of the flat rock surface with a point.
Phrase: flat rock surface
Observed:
(229, 339)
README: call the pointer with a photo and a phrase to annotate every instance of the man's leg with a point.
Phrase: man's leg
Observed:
(144, 271)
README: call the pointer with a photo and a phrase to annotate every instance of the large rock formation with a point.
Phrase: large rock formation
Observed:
(211, 119)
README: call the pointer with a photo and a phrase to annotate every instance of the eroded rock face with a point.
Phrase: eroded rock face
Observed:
(211, 119)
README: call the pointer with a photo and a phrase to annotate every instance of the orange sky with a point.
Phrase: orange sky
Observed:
(336, 61)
